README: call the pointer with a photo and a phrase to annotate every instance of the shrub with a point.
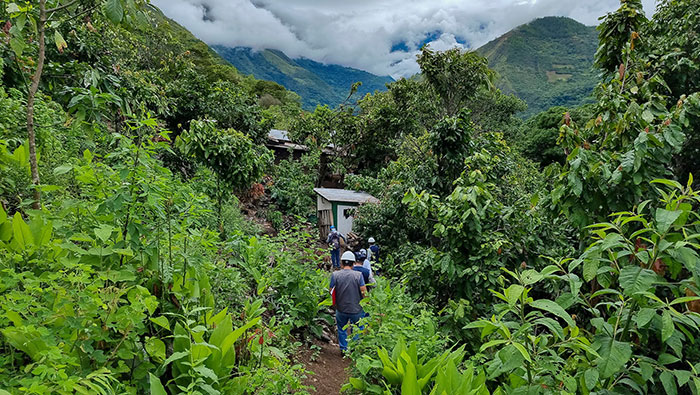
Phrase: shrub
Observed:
(293, 185)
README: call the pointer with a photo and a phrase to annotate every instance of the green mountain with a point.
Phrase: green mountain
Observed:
(175, 35)
(316, 83)
(547, 62)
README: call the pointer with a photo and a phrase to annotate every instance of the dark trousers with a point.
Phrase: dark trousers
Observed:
(343, 319)
(335, 257)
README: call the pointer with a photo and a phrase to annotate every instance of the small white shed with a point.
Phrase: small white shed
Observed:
(337, 207)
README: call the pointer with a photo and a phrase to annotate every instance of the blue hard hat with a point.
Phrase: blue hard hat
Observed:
(332, 227)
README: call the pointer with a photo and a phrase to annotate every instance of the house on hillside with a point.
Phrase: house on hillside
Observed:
(284, 148)
(337, 207)
(278, 141)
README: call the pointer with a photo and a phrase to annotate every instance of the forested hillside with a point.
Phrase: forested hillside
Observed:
(151, 244)
(316, 83)
(547, 62)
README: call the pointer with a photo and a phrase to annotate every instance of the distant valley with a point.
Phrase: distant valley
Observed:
(547, 62)
(315, 82)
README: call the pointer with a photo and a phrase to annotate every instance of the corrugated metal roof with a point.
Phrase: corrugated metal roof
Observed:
(345, 195)
(277, 134)
(282, 136)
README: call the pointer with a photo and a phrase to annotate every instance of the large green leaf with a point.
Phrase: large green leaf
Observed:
(227, 350)
(176, 356)
(104, 232)
(41, 231)
(666, 218)
(683, 376)
(156, 348)
(357, 384)
(26, 339)
(667, 326)
(409, 386)
(669, 383)
(223, 329)
(685, 255)
(552, 325)
(21, 232)
(590, 378)
(217, 338)
(634, 279)
(63, 169)
(156, 386)
(522, 351)
(59, 41)
(551, 307)
(161, 321)
(114, 10)
(17, 45)
(612, 241)
(590, 269)
(513, 293)
(644, 316)
(613, 356)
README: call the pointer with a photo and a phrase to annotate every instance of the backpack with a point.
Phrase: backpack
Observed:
(375, 252)
(335, 239)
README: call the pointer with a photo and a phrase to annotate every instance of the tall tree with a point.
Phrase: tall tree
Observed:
(615, 33)
(28, 31)
(455, 75)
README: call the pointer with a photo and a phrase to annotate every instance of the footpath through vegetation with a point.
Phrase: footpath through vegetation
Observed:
(553, 255)
(329, 371)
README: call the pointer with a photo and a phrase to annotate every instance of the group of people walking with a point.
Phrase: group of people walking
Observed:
(350, 283)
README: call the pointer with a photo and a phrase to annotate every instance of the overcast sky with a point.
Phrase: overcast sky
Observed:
(379, 36)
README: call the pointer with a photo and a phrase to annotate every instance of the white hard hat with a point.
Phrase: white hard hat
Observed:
(371, 240)
(348, 256)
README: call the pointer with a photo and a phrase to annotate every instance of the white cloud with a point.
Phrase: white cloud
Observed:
(362, 33)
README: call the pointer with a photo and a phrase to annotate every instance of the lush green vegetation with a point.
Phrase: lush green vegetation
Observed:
(556, 255)
(316, 83)
(547, 62)
(135, 272)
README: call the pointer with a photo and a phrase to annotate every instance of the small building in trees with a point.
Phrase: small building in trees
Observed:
(282, 146)
(338, 207)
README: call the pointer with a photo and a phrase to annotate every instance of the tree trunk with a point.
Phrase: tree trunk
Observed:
(36, 78)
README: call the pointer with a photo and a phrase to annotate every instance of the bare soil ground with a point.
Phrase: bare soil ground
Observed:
(329, 368)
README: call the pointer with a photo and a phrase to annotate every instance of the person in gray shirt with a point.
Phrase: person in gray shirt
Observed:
(349, 287)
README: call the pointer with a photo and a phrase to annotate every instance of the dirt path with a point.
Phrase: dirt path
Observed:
(329, 368)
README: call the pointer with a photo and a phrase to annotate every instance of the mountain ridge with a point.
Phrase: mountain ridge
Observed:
(315, 82)
(546, 62)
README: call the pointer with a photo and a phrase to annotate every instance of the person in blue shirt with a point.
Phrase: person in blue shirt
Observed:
(334, 241)
(359, 267)
(367, 264)
(373, 253)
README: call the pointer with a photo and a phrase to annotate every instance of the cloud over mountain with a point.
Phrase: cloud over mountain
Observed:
(380, 36)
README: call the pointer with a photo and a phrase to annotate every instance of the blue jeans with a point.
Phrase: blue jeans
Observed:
(341, 320)
(335, 257)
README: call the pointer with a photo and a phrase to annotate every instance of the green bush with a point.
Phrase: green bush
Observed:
(293, 185)
(393, 315)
